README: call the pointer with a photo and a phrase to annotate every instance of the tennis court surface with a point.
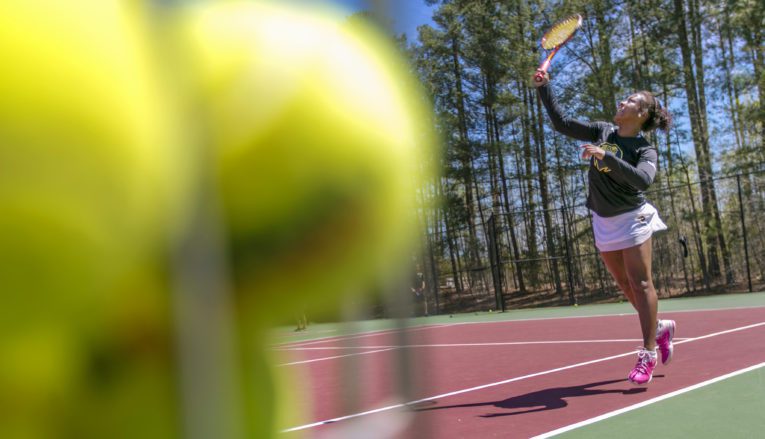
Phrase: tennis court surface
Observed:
(535, 373)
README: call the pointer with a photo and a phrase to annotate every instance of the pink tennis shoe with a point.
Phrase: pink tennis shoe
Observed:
(664, 335)
(642, 373)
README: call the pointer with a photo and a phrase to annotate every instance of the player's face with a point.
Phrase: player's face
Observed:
(630, 110)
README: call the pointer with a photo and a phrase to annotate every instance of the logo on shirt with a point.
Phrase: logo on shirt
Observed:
(607, 147)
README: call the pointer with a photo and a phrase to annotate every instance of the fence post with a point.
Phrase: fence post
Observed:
(569, 261)
(435, 286)
(496, 270)
(743, 232)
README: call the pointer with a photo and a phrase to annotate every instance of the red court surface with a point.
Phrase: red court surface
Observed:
(507, 379)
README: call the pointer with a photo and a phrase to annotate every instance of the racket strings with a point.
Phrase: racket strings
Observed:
(561, 32)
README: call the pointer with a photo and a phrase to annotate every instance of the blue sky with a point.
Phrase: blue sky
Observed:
(405, 15)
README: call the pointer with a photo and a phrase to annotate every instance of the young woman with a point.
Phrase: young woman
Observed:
(622, 167)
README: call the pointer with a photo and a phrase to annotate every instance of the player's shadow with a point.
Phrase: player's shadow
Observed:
(547, 399)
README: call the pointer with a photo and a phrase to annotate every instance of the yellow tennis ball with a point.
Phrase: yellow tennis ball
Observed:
(89, 187)
(88, 154)
(319, 137)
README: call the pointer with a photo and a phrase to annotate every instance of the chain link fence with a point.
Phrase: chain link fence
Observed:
(548, 257)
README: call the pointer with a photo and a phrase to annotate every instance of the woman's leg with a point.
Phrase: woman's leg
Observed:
(615, 264)
(637, 263)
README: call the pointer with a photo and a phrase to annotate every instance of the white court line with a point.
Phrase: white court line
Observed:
(499, 383)
(622, 314)
(715, 334)
(337, 356)
(296, 334)
(439, 325)
(356, 336)
(388, 348)
(645, 403)
(451, 345)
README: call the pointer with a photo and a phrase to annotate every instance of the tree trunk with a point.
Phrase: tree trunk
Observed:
(700, 142)
(545, 196)
(510, 219)
(465, 152)
(727, 60)
(531, 224)
(606, 92)
(695, 20)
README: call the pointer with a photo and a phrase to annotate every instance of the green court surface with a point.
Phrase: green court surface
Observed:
(731, 408)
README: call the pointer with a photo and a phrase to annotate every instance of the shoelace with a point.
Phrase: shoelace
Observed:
(643, 359)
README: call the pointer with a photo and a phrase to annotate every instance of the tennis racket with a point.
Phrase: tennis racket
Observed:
(555, 38)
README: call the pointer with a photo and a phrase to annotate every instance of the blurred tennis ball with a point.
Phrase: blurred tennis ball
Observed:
(319, 135)
(89, 187)
(90, 160)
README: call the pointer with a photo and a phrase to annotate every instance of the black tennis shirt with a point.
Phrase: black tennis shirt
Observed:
(617, 183)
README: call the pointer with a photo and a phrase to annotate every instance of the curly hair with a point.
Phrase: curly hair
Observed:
(658, 117)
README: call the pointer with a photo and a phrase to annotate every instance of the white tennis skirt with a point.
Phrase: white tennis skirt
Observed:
(626, 229)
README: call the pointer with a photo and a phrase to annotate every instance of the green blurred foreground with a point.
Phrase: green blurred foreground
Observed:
(175, 180)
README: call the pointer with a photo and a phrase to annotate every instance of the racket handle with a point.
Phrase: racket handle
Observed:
(542, 70)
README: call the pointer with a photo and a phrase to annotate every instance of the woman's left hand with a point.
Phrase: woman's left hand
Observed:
(590, 150)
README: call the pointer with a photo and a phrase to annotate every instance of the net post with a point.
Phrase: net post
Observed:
(743, 232)
(496, 271)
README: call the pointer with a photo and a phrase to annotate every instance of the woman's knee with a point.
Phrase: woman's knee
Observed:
(641, 284)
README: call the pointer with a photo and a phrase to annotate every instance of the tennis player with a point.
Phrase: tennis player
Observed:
(622, 167)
